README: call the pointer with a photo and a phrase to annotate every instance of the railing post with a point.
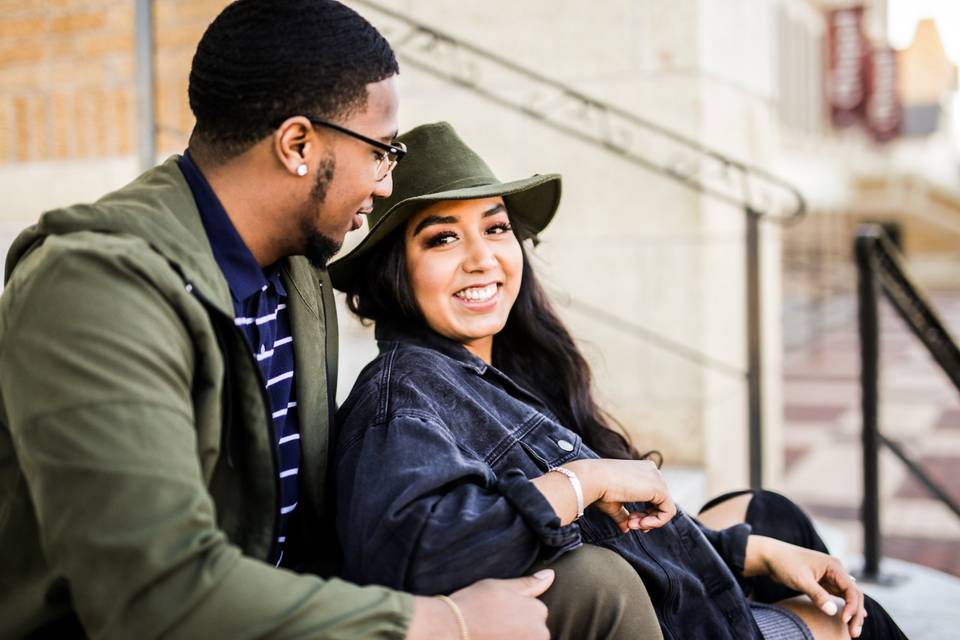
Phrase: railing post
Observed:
(754, 353)
(146, 91)
(869, 326)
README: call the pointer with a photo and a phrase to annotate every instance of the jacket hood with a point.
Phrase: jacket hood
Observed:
(144, 208)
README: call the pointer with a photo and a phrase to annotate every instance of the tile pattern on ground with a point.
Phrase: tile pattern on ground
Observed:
(920, 409)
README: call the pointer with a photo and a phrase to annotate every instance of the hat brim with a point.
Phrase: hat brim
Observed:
(533, 201)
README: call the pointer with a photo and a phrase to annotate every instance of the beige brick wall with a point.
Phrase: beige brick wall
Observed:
(67, 85)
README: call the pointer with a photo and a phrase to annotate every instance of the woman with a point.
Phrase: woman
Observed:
(470, 447)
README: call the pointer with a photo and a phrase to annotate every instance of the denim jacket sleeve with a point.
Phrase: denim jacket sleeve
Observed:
(731, 545)
(418, 512)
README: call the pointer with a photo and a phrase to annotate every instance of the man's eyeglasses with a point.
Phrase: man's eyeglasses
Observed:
(392, 153)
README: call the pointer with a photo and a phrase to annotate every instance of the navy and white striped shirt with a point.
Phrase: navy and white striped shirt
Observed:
(259, 302)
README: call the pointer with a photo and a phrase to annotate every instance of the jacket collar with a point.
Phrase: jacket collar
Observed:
(425, 337)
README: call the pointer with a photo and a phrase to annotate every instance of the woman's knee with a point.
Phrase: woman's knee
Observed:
(774, 515)
(768, 512)
(727, 510)
(597, 594)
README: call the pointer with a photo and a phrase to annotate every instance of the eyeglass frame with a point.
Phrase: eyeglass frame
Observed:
(397, 150)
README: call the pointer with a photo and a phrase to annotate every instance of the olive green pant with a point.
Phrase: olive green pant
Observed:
(597, 595)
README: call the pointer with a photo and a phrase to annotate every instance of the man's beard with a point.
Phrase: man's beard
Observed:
(318, 248)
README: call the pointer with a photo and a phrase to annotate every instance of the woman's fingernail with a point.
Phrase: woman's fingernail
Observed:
(856, 632)
(543, 574)
(830, 608)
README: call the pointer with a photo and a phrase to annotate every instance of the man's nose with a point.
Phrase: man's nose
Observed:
(384, 188)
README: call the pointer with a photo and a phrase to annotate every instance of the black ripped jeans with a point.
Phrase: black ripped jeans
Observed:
(775, 516)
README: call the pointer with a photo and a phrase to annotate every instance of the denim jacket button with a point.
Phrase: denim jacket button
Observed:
(566, 446)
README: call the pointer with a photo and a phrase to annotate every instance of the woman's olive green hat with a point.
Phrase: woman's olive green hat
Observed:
(440, 166)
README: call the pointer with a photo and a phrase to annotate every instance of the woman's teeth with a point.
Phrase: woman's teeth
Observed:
(477, 294)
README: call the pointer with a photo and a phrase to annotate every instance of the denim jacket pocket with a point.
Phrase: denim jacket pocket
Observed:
(550, 445)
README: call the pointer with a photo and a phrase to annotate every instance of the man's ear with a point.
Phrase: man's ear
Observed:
(294, 143)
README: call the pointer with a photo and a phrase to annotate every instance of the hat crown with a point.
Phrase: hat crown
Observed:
(437, 160)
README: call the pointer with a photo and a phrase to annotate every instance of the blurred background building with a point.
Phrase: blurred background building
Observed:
(649, 272)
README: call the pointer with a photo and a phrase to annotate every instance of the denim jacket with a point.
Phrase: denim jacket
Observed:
(435, 455)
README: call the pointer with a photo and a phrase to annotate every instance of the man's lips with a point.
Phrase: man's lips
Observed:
(358, 219)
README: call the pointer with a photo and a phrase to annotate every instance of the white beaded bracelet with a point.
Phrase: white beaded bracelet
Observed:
(577, 487)
(464, 632)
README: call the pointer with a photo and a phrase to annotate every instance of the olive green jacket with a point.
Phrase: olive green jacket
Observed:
(138, 479)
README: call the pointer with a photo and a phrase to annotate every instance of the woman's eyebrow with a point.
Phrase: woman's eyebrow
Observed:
(431, 220)
(497, 208)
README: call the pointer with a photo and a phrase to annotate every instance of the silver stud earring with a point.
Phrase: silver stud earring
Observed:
(302, 170)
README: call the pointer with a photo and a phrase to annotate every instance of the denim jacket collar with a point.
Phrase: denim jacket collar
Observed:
(425, 337)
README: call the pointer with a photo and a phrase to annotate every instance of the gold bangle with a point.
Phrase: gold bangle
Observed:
(464, 634)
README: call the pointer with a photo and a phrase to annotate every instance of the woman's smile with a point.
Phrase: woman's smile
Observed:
(479, 298)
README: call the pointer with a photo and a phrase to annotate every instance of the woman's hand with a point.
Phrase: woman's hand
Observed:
(811, 572)
(610, 484)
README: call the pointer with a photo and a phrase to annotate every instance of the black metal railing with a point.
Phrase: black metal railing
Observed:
(880, 270)
(757, 193)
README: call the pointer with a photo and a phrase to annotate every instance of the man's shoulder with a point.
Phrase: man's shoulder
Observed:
(101, 277)
(94, 253)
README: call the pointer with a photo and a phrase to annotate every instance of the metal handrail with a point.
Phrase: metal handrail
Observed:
(880, 269)
(569, 110)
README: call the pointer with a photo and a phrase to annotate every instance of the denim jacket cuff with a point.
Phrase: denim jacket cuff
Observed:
(731, 545)
(536, 511)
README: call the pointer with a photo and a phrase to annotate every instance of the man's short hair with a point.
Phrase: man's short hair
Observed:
(261, 61)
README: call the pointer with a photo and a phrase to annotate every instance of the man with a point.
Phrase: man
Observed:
(168, 358)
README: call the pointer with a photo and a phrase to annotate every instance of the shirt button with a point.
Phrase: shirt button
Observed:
(566, 446)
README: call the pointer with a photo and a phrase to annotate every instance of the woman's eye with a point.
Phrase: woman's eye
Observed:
(501, 227)
(442, 238)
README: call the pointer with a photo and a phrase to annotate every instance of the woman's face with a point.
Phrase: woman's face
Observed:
(465, 267)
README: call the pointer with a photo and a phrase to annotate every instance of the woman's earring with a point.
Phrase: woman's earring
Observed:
(302, 170)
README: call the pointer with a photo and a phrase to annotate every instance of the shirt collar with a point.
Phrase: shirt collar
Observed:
(241, 270)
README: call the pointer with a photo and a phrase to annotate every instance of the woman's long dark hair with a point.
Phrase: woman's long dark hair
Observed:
(534, 348)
